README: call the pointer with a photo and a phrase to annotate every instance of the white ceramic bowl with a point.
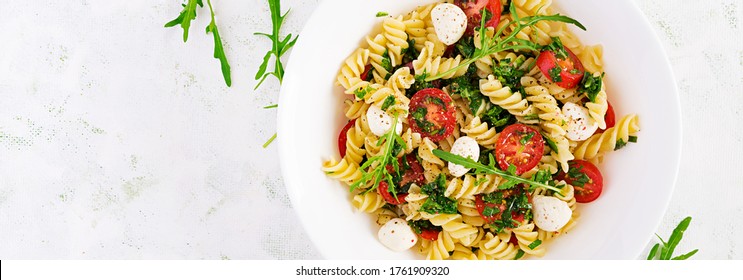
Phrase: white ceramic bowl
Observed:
(639, 179)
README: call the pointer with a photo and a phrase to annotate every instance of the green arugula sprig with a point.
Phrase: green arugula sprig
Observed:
(510, 42)
(393, 143)
(510, 176)
(279, 46)
(218, 48)
(664, 250)
(184, 19)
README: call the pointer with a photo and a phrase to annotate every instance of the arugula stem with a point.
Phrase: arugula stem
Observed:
(265, 145)
(271, 106)
(481, 168)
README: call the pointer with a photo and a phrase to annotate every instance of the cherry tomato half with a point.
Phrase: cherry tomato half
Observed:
(571, 69)
(480, 205)
(367, 71)
(473, 10)
(609, 119)
(585, 178)
(383, 190)
(343, 137)
(519, 145)
(432, 114)
(430, 234)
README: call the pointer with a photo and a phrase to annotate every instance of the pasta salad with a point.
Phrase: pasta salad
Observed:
(476, 128)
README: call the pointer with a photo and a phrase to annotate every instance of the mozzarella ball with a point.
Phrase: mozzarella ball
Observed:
(466, 147)
(449, 21)
(397, 235)
(580, 124)
(380, 122)
(550, 213)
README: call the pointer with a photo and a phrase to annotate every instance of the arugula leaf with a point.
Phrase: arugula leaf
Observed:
(480, 168)
(551, 143)
(185, 17)
(591, 85)
(389, 101)
(279, 46)
(393, 145)
(664, 250)
(557, 48)
(218, 48)
(510, 42)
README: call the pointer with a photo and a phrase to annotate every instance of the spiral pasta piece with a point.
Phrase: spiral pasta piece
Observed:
(607, 141)
(502, 96)
(344, 170)
(534, 7)
(427, 62)
(439, 249)
(592, 58)
(355, 109)
(470, 215)
(453, 224)
(353, 66)
(397, 39)
(551, 118)
(462, 252)
(527, 236)
(412, 140)
(355, 137)
(497, 248)
(377, 52)
(432, 164)
(368, 202)
(461, 188)
(597, 109)
(384, 215)
(415, 200)
(478, 130)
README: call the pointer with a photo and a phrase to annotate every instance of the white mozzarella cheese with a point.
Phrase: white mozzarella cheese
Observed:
(580, 124)
(465, 147)
(397, 235)
(380, 122)
(449, 21)
(550, 213)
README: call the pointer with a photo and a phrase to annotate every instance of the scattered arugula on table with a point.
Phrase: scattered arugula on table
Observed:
(184, 19)
(279, 46)
(509, 43)
(382, 14)
(664, 250)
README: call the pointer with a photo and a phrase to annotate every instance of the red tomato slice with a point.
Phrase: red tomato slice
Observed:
(473, 10)
(519, 145)
(480, 205)
(430, 234)
(432, 114)
(571, 69)
(586, 174)
(365, 74)
(383, 190)
(609, 118)
(343, 137)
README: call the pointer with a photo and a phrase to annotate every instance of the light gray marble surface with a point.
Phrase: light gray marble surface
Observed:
(119, 141)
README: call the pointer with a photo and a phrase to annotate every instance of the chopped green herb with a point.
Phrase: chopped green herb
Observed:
(508, 72)
(535, 244)
(555, 74)
(532, 117)
(524, 140)
(410, 53)
(591, 85)
(498, 118)
(465, 46)
(387, 63)
(389, 101)
(557, 48)
(490, 211)
(551, 143)
(382, 14)
(362, 92)
(520, 253)
(437, 202)
(577, 176)
(632, 139)
(479, 181)
(620, 144)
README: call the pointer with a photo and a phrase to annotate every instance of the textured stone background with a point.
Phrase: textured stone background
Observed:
(117, 140)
